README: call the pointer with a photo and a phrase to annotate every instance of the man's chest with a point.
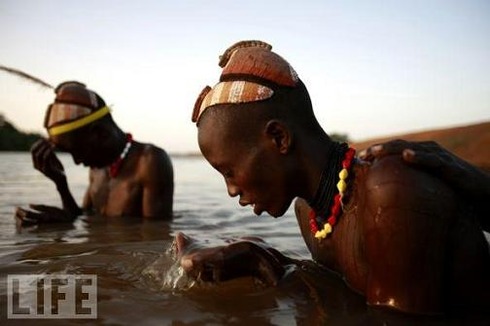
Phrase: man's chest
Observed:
(115, 196)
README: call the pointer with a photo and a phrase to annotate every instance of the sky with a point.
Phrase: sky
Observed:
(373, 68)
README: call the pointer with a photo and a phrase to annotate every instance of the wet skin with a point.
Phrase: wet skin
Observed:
(143, 186)
(468, 180)
(406, 240)
(241, 258)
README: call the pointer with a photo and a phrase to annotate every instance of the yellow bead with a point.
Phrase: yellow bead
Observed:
(341, 186)
(327, 228)
(343, 174)
(320, 234)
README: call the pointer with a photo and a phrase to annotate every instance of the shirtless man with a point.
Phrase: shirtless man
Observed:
(398, 235)
(126, 177)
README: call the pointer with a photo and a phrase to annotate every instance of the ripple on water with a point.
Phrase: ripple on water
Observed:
(139, 280)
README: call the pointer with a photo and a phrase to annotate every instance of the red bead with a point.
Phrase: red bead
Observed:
(346, 164)
(312, 222)
(335, 210)
(336, 207)
(350, 153)
(312, 214)
(313, 227)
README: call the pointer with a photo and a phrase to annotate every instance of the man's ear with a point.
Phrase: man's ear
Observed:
(280, 135)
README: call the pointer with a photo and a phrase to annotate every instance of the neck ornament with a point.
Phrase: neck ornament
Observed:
(116, 165)
(322, 220)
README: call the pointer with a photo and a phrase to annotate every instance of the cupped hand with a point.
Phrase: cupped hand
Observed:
(41, 214)
(240, 258)
(46, 161)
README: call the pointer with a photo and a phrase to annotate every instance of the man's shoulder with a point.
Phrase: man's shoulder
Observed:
(152, 152)
(392, 183)
(391, 170)
(153, 160)
(301, 207)
(389, 179)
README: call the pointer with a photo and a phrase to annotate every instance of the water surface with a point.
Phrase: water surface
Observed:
(139, 282)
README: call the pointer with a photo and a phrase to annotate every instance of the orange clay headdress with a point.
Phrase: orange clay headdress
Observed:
(248, 66)
(74, 107)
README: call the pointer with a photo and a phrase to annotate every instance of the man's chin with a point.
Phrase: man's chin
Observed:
(278, 211)
(94, 165)
(273, 212)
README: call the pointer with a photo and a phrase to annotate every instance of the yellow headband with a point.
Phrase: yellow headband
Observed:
(70, 126)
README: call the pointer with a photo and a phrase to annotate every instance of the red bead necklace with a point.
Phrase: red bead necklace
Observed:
(116, 166)
(336, 208)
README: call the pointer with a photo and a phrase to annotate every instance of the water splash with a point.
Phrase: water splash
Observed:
(166, 274)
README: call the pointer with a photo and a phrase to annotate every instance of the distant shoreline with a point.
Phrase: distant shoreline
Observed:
(12, 139)
(470, 142)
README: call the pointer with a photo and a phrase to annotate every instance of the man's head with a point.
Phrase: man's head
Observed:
(79, 122)
(250, 123)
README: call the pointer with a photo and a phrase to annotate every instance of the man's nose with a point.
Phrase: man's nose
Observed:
(233, 190)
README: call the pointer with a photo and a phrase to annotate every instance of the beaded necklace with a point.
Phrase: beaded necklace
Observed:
(326, 189)
(116, 166)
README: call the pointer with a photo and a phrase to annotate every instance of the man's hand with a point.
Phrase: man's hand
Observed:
(46, 161)
(428, 154)
(237, 259)
(42, 214)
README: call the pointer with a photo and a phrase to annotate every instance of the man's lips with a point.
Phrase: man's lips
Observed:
(255, 207)
(257, 210)
(244, 202)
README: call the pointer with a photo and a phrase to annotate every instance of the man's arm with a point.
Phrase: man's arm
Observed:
(45, 160)
(69, 204)
(87, 204)
(406, 219)
(158, 183)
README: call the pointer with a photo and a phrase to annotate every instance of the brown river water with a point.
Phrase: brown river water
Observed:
(139, 281)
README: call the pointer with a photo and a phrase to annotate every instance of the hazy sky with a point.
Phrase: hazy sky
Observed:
(372, 67)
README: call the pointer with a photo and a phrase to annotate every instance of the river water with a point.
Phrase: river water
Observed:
(138, 279)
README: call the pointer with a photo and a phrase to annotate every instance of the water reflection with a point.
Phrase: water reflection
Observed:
(139, 280)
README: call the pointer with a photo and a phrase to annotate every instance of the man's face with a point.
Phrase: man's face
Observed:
(81, 146)
(252, 169)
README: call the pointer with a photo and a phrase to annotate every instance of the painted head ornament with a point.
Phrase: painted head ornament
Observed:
(75, 106)
(249, 68)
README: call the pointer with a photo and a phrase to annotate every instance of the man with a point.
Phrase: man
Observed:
(126, 177)
(400, 236)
